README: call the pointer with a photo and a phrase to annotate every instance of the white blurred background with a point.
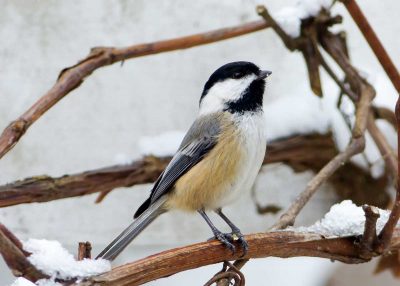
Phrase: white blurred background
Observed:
(103, 120)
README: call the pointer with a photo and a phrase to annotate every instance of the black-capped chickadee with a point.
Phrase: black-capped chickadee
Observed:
(218, 159)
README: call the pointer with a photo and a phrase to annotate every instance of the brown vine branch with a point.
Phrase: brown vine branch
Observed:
(296, 151)
(44, 188)
(369, 236)
(301, 152)
(385, 149)
(277, 244)
(385, 114)
(71, 77)
(281, 244)
(229, 272)
(15, 256)
(290, 43)
(13, 238)
(393, 74)
(288, 218)
(385, 235)
(374, 42)
(361, 92)
(84, 250)
(314, 33)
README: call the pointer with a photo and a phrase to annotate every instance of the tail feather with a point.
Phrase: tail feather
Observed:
(142, 208)
(133, 230)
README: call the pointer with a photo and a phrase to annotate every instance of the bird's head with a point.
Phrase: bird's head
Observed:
(235, 87)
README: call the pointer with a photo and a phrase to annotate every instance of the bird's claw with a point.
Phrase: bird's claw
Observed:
(238, 236)
(228, 238)
(225, 239)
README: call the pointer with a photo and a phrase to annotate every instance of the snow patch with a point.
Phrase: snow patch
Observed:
(22, 282)
(343, 219)
(47, 282)
(164, 144)
(42, 282)
(122, 159)
(289, 18)
(295, 115)
(54, 260)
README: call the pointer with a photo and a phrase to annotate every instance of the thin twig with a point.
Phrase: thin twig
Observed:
(15, 257)
(388, 154)
(374, 42)
(288, 218)
(386, 234)
(84, 250)
(290, 43)
(385, 114)
(13, 239)
(335, 78)
(369, 236)
(228, 273)
(71, 77)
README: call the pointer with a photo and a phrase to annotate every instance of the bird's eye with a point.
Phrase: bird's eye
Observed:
(237, 75)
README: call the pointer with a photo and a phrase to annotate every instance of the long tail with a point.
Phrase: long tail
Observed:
(133, 230)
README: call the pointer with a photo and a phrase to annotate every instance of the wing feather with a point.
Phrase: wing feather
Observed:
(181, 163)
(198, 142)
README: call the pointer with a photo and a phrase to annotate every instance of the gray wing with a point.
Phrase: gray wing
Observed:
(199, 140)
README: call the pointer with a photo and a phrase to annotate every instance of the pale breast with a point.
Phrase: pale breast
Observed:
(252, 138)
(227, 171)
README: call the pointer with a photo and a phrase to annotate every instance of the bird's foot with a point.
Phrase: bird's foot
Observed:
(225, 239)
(228, 238)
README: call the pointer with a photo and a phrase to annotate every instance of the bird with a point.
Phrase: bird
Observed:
(218, 159)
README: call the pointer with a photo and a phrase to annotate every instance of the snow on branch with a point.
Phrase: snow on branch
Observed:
(52, 259)
(344, 219)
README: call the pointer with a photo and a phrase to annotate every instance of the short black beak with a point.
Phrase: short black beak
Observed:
(264, 74)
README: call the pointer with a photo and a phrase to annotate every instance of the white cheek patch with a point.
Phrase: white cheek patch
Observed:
(222, 92)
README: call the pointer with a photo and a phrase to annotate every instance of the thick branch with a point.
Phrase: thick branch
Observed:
(278, 244)
(70, 78)
(44, 188)
(297, 151)
(301, 152)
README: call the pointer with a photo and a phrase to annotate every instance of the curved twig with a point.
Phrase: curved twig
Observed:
(71, 77)
(228, 273)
